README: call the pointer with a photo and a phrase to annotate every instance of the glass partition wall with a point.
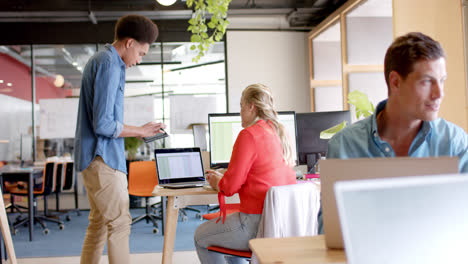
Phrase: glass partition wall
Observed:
(347, 53)
(166, 87)
(16, 104)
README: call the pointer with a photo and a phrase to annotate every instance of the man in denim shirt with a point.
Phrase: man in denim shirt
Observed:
(407, 123)
(99, 140)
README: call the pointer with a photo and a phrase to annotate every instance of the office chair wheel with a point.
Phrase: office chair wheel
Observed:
(68, 218)
(184, 218)
(45, 231)
(155, 230)
(61, 226)
(199, 216)
(14, 232)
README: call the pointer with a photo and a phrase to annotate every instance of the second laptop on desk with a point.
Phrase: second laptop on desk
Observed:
(335, 170)
(179, 167)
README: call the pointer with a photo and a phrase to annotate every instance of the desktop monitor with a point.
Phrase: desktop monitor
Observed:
(309, 126)
(223, 131)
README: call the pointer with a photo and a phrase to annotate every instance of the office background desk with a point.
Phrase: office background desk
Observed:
(180, 198)
(295, 250)
(28, 175)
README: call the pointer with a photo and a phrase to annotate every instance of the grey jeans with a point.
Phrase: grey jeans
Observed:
(235, 234)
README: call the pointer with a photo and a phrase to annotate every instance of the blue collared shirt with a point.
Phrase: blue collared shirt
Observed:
(435, 138)
(100, 112)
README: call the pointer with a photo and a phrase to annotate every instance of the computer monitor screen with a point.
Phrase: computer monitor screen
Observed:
(223, 131)
(309, 126)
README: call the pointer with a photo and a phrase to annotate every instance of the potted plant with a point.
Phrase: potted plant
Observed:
(131, 146)
(363, 107)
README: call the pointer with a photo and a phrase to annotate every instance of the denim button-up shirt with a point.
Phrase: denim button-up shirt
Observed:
(435, 138)
(100, 112)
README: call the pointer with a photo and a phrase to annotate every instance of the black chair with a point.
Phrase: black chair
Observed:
(66, 182)
(45, 190)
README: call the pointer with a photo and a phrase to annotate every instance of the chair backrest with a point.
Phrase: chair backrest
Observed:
(69, 176)
(142, 176)
(47, 181)
(290, 210)
(58, 177)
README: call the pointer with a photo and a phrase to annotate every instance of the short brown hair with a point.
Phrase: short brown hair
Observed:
(407, 50)
(137, 27)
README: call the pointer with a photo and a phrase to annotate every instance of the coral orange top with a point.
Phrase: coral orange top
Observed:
(256, 164)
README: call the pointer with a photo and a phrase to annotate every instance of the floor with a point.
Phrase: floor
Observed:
(182, 257)
(67, 201)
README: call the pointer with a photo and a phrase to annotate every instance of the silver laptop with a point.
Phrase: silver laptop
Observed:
(179, 167)
(334, 170)
(405, 220)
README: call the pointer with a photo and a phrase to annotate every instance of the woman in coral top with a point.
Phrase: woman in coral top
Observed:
(261, 158)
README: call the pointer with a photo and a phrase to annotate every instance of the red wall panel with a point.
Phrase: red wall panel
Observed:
(19, 75)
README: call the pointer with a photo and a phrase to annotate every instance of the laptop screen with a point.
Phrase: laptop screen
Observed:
(406, 220)
(179, 165)
(335, 170)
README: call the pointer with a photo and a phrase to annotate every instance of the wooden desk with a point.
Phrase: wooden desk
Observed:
(180, 198)
(295, 250)
(28, 175)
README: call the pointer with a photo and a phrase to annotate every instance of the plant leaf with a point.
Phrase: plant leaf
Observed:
(195, 38)
(360, 100)
(330, 132)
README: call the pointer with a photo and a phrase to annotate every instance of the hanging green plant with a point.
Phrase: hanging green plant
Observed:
(205, 34)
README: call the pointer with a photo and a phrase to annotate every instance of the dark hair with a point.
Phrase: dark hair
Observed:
(407, 50)
(136, 27)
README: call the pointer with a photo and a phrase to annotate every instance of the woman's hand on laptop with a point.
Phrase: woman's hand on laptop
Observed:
(213, 177)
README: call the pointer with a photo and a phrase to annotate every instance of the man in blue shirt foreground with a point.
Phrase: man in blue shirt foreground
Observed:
(407, 123)
(99, 139)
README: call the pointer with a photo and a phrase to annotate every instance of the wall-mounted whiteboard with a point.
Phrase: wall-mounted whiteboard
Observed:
(58, 116)
(190, 109)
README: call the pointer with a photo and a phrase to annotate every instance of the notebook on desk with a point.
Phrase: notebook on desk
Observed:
(179, 167)
(334, 170)
(405, 220)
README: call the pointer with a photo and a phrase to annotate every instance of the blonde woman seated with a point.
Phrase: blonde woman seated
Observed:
(261, 158)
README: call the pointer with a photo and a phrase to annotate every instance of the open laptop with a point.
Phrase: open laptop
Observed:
(405, 220)
(334, 170)
(179, 167)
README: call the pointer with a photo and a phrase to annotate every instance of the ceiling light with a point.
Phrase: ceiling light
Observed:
(166, 2)
(1, 81)
(74, 63)
(9, 84)
(59, 80)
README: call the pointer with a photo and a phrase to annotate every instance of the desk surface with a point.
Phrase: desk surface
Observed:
(160, 191)
(310, 249)
(16, 169)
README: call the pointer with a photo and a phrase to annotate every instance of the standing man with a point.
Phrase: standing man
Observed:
(99, 139)
(407, 123)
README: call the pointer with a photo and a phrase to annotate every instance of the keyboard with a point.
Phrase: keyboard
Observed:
(182, 185)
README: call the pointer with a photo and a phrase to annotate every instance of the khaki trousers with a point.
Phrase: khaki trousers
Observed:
(109, 216)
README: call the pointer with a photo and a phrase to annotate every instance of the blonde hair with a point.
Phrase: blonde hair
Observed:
(260, 96)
